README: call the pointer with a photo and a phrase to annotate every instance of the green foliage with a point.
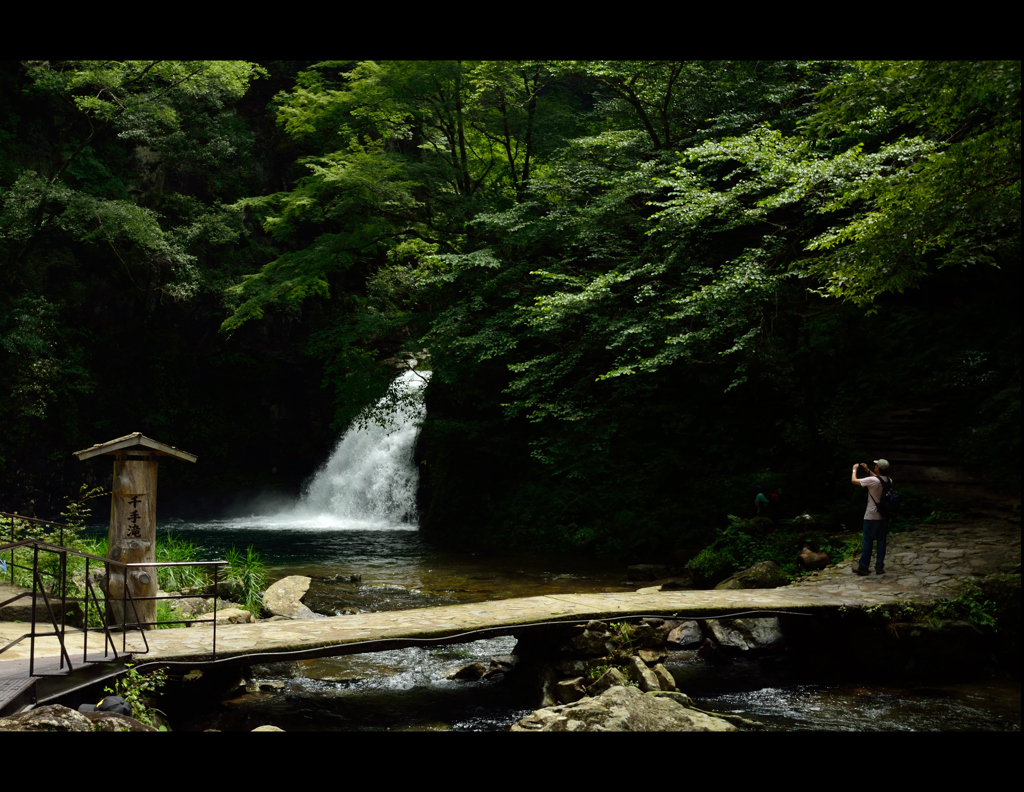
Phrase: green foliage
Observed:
(622, 635)
(165, 614)
(45, 361)
(251, 572)
(916, 507)
(901, 611)
(954, 203)
(712, 564)
(177, 549)
(139, 690)
(745, 542)
(76, 512)
(969, 605)
(940, 516)
(596, 672)
(114, 178)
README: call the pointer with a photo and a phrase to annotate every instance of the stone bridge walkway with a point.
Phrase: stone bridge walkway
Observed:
(921, 565)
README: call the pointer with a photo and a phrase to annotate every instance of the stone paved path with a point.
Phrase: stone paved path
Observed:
(931, 561)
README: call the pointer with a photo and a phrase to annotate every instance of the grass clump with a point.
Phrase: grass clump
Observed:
(178, 549)
(250, 572)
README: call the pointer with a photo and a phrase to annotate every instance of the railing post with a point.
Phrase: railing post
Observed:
(12, 550)
(216, 588)
(32, 622)
(63, 601)
(85, 614)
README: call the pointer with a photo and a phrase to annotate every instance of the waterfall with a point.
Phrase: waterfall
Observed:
(370, 480)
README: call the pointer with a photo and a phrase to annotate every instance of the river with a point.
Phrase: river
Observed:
(407, 690)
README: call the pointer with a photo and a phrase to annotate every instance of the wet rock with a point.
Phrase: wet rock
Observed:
(622, 709)
(594, 641)
(265, 686)
(686, 635)
(112, 722)
(665, 679)
(505, 662)
(746, 634)
(424, 726)
(471, 672)
(284, 598)
(613, 677)
(570, 690)
(284, 670)
(764, 575)
(650, 633)
(710, 652)
(335, 579)
(639, 672)
(548, 682)
(493, 670)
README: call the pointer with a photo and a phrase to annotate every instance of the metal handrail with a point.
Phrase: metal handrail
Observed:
(61, 588)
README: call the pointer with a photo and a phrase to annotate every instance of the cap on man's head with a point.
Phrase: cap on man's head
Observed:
(882, 464)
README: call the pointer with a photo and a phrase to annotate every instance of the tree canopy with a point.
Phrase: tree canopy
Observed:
(634, 279)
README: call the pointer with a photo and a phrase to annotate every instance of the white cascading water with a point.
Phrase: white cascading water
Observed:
(370, 480)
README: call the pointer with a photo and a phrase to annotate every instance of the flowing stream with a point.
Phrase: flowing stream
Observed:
(354, 532)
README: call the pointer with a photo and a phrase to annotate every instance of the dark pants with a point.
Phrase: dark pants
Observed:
(874, 531)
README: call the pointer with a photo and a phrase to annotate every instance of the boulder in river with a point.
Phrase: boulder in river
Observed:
(284, 598)
(622, 709)
(745, 634)
(686, 636)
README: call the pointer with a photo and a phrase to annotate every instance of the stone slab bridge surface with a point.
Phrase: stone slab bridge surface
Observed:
(921, 565)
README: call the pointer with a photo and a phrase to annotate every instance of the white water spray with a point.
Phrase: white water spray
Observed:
(370, 480)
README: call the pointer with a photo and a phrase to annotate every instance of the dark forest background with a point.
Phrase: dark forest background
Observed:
(642, 287)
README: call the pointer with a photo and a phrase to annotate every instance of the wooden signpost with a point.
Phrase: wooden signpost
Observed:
(133, 523)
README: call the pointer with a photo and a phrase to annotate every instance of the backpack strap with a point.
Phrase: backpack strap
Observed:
(886, 486)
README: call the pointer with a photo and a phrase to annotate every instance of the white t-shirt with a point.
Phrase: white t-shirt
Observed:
(874, 485)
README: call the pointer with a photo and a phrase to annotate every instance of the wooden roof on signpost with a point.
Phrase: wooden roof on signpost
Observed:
(136, 441)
